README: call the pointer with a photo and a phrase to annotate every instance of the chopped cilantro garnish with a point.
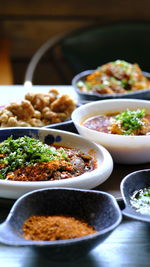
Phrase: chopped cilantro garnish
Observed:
(88, 86)
(124, 83)
(131, 120)
(26, 151)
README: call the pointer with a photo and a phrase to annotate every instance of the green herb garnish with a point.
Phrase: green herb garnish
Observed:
(88, 86)
(26, 151)
(140, 200)
(131, 120)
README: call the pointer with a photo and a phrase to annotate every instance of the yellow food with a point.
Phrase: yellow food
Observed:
(37, 110)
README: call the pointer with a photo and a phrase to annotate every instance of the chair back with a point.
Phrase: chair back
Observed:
(92, 46)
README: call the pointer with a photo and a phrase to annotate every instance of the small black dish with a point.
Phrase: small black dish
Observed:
(97, 208)
(88, 97)
(132, 182)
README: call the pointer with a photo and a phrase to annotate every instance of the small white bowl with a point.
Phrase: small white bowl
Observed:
(124, 149)
(88, 180)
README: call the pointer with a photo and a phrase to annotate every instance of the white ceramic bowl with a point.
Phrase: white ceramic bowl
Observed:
(124, 149)
(88, 180)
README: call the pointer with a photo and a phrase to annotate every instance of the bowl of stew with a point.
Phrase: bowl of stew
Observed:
(116, 79)
(122, 126)
(34, 158)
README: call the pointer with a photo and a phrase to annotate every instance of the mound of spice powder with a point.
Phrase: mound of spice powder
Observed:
(50, 228)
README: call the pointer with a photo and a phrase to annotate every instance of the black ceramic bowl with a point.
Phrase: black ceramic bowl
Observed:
(98, 209)
(134, 181)
(87, 97)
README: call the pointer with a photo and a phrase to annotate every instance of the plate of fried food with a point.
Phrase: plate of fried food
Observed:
(37, 109)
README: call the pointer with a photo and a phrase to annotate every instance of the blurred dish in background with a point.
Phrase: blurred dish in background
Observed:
(114, 79)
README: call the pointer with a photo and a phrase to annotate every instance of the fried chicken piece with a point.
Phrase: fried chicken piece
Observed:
(40, 100)
(22, 111)
(63, 104)
(35, 122)
(5, 115)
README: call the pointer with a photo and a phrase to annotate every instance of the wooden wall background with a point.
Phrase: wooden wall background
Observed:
(28, 24)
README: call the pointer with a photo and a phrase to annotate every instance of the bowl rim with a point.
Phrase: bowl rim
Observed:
(84, 73)
(66, 242)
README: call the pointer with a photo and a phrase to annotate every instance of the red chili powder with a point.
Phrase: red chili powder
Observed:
(50, 228)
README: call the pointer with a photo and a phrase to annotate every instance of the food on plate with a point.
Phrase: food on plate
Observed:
(38, 109)
(114, 77)
(55, 227)
(140, 200)
(128, 122)
(28, 159)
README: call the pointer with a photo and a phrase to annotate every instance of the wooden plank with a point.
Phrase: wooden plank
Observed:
(26, 36)
(138, 9)
(29, 25)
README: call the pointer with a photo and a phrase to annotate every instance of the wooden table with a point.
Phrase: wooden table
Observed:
(128, 244)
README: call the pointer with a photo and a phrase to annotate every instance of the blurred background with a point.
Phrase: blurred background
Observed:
(26, 25)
